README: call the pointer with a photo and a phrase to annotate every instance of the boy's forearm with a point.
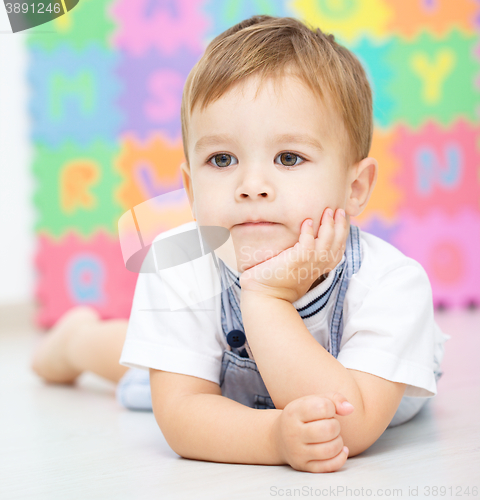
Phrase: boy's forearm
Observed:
(293, 364)
(214, 428)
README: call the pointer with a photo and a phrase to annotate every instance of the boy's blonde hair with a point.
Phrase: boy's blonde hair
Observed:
(267, 45)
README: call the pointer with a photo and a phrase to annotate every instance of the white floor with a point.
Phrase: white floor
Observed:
(78, 443)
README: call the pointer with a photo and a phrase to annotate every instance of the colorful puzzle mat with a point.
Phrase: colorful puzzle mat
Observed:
(105, 94)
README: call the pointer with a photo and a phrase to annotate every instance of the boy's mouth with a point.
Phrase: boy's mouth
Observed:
(257, 224)
(256, 221)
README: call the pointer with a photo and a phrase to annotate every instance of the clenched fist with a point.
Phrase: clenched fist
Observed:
(308, 436)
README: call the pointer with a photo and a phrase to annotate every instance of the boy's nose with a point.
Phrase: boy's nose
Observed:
(263, 195)
(255, 187)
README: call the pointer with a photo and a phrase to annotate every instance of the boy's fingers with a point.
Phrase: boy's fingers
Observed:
(307, 237)
(332, 235)
(341, 232)
(326, 231)
(331, 465)
(324, 450)
(320, 431)
(316, 408)
(342, 405)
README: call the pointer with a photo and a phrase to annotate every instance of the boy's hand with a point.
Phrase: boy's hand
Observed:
(291, 273)
(308, 437)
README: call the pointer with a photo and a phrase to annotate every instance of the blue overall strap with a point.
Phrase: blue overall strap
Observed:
(231, 314)
(353, 261)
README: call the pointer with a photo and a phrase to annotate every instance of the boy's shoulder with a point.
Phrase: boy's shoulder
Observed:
(387, 281)
(379, 258)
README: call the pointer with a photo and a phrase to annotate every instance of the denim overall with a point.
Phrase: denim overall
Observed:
(240, 379)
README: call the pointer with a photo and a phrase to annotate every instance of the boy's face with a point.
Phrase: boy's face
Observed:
(252, 170)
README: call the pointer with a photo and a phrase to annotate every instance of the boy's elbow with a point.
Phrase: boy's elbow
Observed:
(360, 433)
(174, 403)
(362, 429)
(380, 401)
(170, 425)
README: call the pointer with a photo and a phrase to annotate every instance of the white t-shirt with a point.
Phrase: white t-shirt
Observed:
(389, 327)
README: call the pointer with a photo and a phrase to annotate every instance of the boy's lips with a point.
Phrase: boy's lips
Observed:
(257, 224)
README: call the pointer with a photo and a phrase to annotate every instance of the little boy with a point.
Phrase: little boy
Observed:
(326, 328)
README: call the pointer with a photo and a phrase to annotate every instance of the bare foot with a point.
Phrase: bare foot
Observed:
(50, 359)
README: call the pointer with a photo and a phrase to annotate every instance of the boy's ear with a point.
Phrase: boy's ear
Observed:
(187, 183)
(362, 180)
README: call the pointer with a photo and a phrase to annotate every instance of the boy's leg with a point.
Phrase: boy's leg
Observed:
(80, 342)
(97, 348)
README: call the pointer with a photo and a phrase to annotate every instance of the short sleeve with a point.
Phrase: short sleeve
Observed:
(390, 333)
(164, 336)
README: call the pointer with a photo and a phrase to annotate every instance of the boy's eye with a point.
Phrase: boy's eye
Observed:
(223, 160)
(289, 159)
